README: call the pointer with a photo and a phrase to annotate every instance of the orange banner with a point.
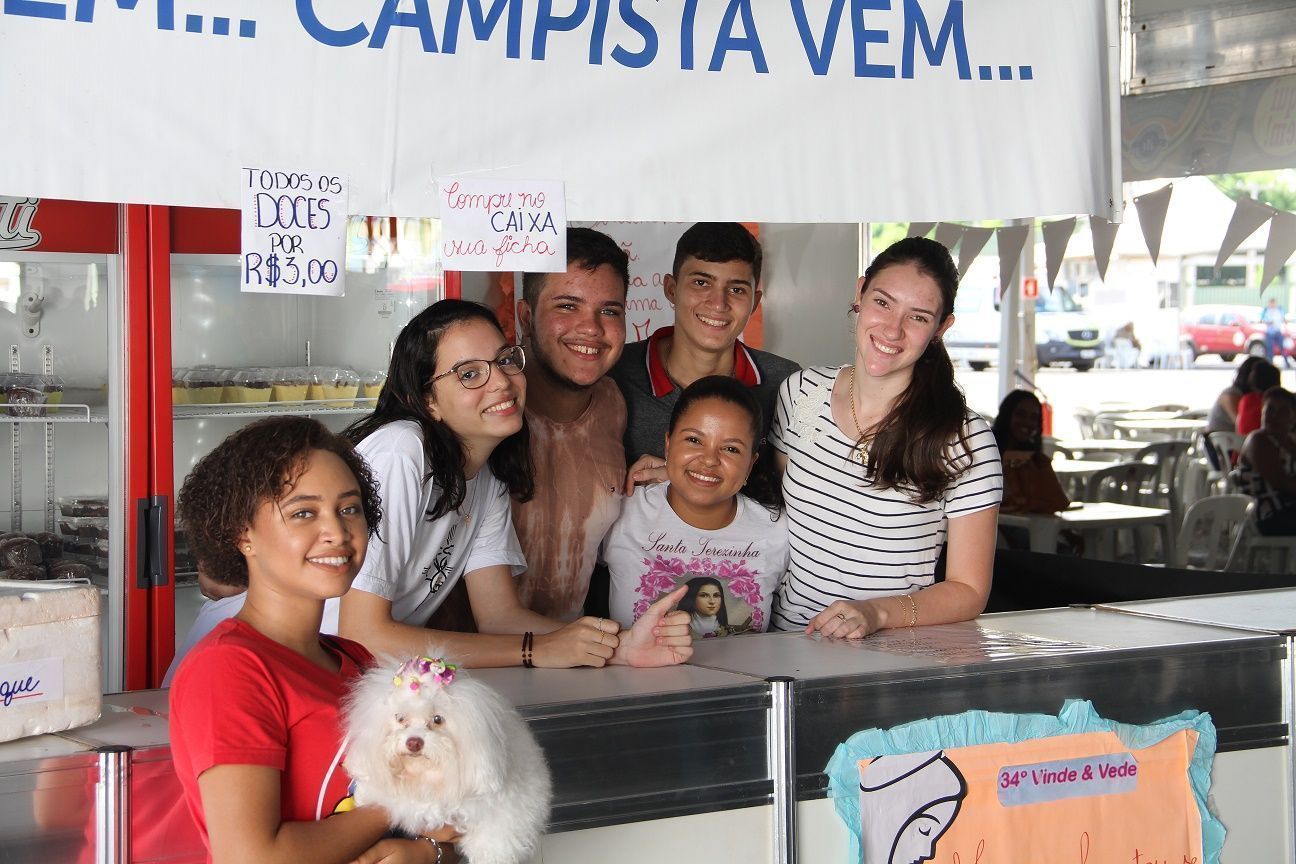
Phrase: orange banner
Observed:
(1068, 799)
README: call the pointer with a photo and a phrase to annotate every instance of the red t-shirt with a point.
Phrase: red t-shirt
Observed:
(1248, 413)
(241, 698)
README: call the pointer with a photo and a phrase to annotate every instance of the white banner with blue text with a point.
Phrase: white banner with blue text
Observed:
(646, 110)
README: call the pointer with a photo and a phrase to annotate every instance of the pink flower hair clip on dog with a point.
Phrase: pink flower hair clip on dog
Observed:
(419, 672)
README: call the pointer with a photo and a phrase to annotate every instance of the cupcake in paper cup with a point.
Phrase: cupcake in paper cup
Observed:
(203, 386)
(251, 386)
(289, 384)
(337, 387)
(179, 393)
(371, 384)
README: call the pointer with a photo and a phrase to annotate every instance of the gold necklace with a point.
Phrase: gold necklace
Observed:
(860, 451)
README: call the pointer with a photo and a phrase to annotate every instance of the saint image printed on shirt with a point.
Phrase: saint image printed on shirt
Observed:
(723, 598)
(730, 573)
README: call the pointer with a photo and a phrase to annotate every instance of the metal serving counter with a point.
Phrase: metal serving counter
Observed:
(722, 759)
(1257, 611)
(1134, 670)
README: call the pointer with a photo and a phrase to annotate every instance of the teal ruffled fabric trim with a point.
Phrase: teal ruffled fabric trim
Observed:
(982, 727)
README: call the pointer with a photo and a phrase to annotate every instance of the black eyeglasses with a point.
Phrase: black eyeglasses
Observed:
(475, 373)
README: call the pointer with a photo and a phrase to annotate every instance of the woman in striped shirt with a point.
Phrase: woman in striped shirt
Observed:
(883, 464)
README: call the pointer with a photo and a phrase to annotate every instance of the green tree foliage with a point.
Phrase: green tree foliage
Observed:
(1275, 188)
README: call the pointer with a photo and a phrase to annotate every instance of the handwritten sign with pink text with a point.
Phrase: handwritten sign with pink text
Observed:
(651, 247)
(501, 225)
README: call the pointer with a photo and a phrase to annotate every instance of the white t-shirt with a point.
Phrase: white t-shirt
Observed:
(847, 539)
(650, 551)
(211, 613)
(414, 561)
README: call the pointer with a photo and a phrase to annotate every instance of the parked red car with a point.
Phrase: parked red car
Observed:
(1227, 331)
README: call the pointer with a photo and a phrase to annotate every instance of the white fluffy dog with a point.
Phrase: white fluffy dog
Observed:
(434, 747)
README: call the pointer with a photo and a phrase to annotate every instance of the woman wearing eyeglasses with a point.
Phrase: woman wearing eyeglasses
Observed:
(448, 445)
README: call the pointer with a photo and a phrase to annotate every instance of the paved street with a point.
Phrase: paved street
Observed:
(1067, 389)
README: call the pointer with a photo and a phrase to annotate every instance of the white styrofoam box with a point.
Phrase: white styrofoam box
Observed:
(49, 657)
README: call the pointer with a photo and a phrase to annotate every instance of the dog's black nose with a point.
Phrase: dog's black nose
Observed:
(414, 744)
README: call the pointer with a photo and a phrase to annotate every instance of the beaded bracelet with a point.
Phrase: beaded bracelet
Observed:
(528, 641)
(435, 845)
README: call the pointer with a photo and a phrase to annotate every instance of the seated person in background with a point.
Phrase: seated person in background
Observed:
(1263, 376)
(1126, 346)
(1223, 414)
(1267, 465)
(698, 529)
(1030, 486)
(223, 601)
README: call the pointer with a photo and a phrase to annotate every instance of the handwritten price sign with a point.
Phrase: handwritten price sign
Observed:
(294, 232)
(503, 225)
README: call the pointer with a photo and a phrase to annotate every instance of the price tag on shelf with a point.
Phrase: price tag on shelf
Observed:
(294, 232)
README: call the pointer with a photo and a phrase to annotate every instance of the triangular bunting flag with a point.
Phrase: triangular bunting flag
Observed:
(920, 229)
(1012, 239)
(948, 234)
(1282, 243)
(974, 240)
(1056, 237)
(1152, 209)
(1104, 238)
(1248, 215)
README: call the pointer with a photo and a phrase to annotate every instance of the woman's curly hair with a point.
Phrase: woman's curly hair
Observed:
(260, 462)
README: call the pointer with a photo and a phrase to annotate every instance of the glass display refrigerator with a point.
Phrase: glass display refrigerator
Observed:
(130, 352)
(234, 357)
(68, 311)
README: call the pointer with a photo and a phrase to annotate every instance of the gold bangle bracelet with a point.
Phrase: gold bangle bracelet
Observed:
(913, 609)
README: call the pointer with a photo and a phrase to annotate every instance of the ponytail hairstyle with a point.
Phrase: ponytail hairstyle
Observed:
(911, 449)
(405, 397)
(764, 486)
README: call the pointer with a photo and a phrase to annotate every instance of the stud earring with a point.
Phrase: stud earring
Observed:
(248, 548)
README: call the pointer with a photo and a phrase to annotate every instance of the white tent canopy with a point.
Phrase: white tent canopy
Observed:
(806, 111)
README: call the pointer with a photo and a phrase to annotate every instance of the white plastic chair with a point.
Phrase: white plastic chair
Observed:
(1085, 420)
(1253, 552)
(1225, 446)
(1166, 455)
(1210, 530)
(1050, 447)
(1122, 483)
